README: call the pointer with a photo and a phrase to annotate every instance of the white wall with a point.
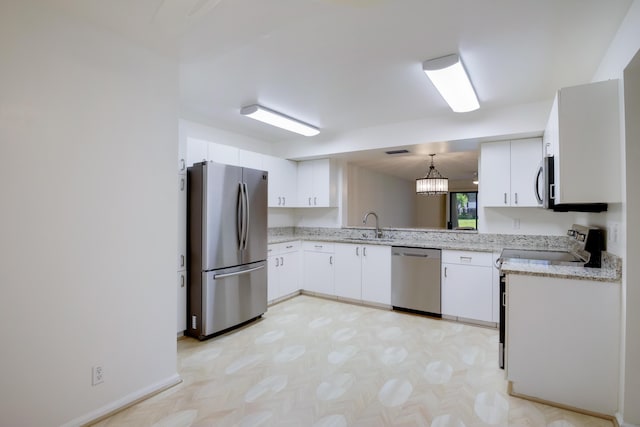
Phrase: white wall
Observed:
(391, 198)
(430, 211)
(623, 48)
(88, 142)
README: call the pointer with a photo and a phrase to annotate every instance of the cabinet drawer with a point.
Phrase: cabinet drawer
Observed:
(318, 247)
(467, 258)
(284, 247)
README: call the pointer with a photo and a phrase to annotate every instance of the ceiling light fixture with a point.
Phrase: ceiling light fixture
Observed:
(450, 78)
(434, 183)
(265, 115)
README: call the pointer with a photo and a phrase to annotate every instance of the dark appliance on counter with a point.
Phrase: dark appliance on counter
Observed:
(587, 246)
(545, 191)
(227, 247)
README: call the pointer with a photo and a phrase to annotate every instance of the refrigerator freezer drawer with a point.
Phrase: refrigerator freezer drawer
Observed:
(232, 296)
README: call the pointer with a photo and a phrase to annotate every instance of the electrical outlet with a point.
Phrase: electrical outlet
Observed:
(98, 375)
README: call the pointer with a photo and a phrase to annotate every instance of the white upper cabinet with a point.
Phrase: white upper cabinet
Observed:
(317, 183)
(508, 170)
(583, 135)
(197, 151)
(283, 189)
(251, 159)
(224, 154)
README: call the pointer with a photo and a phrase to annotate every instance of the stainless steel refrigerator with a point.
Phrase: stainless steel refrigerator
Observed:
(227, 247)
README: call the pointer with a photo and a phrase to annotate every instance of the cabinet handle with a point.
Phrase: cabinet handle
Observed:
(279, 201)
(318, 246)
(181, 184)
(181, 260)
(331, 260)
(516, 197)
(183, 164)
(504, 299)
(445, 272)
(357, 251)
(465, 259)
(364, 251)
(309, 201)
(505, 198)
(289, 246)
(281, 261)
(277, 262)
(315, 201)
(182, 280)
(284, 201)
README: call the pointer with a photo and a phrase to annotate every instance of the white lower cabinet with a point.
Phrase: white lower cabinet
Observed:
(283, 270)
(318, 267)
(467, 285)
(363, 272)
(563, 341)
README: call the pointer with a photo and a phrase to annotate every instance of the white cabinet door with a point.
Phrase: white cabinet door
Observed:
(225, 154)
(182, 302)
(467, 291)
(563, 340)
(289, 273)
(348, 276)
(305, 183)
(316, 183)
(283, 189)
(526, 155)
(495, 173)
(322, 182)
(196, 151)
(376, 274)
(250, 159)
(587, 116)
(318, 272)
(507, 172)
(273, 275)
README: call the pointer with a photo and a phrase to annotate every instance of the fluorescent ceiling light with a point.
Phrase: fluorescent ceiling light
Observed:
(449, 77)
(280, 120)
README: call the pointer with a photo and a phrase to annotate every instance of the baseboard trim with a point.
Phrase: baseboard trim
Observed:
(611, 418)
(124, 402)
(621, 423)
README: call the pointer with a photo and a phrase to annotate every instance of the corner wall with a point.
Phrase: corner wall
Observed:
(88, 131)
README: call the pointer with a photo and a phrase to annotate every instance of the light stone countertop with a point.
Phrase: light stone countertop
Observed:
(611, 272)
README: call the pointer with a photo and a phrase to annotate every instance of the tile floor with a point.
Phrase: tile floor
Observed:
(323, 363)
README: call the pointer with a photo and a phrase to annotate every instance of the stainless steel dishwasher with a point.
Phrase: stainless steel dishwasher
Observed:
(415, 280)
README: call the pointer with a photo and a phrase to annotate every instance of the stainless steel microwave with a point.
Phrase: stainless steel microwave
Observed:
(545, 189)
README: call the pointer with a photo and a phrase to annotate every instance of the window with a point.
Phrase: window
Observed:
(463, 210)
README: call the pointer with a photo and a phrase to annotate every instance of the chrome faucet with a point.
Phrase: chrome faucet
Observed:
(364, 221)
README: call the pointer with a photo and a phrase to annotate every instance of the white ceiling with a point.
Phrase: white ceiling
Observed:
(344, 65)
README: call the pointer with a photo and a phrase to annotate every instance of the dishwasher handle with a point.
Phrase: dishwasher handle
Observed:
(416, 252)
(410, 254)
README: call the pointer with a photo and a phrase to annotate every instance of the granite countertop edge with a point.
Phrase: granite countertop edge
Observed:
(563, 272)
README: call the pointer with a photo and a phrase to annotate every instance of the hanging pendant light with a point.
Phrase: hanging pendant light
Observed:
(434, 183)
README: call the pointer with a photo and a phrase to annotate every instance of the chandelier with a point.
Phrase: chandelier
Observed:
(434, 183)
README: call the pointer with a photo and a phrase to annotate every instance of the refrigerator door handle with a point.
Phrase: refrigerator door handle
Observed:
(246, 214)
(237, 273)
(240, 216)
